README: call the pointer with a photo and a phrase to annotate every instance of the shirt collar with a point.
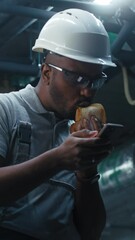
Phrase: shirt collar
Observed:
(30, 97)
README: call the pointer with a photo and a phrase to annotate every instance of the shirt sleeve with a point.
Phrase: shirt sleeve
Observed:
(5, 121)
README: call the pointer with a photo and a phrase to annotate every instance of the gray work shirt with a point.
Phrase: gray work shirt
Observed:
(47, 211)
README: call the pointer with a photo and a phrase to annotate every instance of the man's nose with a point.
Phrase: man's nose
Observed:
(87, 92)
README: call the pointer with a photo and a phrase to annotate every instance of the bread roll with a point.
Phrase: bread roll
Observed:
(94, 114)
(95, 109)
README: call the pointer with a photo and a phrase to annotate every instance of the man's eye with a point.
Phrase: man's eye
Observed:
(67, 73)
(71, 75)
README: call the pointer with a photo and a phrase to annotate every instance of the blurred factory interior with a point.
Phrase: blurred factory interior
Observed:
(20, 23)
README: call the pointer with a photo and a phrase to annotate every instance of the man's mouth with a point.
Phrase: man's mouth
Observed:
(84, 103)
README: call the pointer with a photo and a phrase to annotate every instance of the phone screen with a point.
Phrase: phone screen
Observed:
(111, 131)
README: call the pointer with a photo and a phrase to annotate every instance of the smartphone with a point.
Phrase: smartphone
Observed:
(111, 131)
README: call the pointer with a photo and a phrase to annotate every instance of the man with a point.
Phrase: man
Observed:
(48, 179)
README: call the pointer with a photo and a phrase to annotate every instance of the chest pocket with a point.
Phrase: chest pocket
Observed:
(20, 143)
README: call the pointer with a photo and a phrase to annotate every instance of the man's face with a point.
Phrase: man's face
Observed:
(65, 90)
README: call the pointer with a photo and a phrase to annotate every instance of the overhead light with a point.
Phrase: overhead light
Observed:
(103, 2)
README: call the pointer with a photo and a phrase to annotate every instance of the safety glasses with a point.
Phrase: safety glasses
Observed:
(82, 81)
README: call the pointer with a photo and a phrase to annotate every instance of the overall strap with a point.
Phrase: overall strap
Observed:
(20, 142)
(24, 140)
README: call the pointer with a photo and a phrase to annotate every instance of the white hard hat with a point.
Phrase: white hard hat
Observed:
(76, 34)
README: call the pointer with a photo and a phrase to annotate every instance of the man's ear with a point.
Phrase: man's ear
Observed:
(45, 71)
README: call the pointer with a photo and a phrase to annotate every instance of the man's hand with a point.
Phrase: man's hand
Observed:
(83, 149)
